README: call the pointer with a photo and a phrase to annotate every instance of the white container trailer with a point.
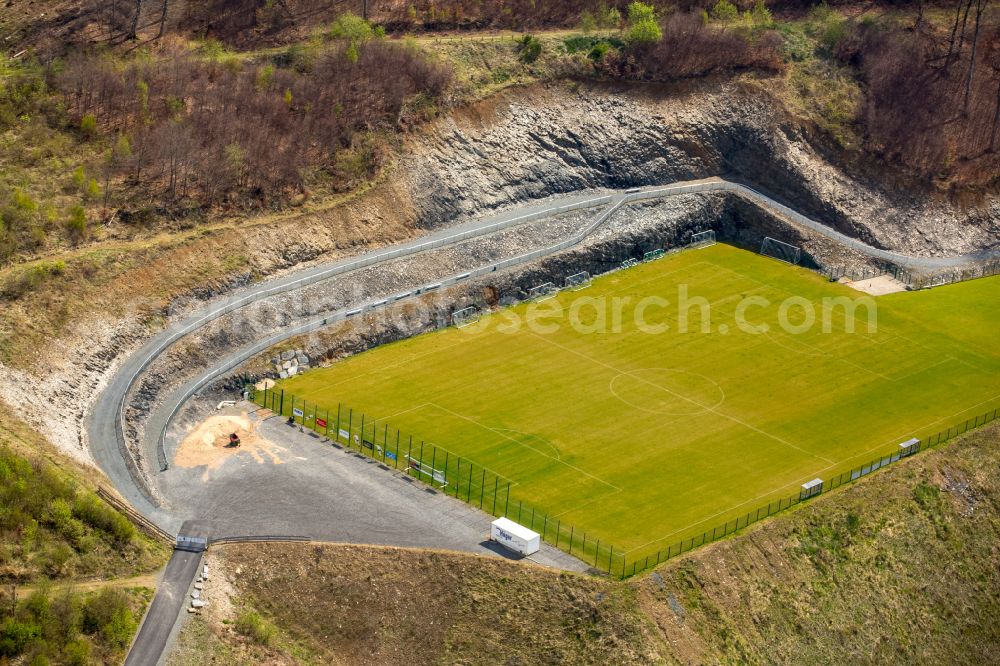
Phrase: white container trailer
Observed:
(517, 538)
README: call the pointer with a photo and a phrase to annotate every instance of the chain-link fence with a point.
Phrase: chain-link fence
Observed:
(490, 491)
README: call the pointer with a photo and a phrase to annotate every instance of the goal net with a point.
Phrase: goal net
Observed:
(579, 281)
(702, 239)
(466, 316)
(542, 291)
(437, 475)
(653, 255)
(776, 249)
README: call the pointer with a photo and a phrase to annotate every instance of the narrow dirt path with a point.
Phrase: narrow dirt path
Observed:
(145, 580)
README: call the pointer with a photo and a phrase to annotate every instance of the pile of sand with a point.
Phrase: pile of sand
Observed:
(208, 444)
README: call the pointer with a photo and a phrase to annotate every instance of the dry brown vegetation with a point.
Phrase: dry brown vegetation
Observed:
(691, 48)
(901, 567)
(206, 131)
(932, 102)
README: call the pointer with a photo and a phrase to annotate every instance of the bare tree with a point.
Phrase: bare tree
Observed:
(952, 52)
(163, 18)
(134, 27)
(980, 6)
(992, 58)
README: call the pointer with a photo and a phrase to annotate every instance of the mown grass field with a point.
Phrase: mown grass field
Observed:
(644, 438)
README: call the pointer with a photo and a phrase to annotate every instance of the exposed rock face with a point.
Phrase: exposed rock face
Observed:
(526, 145)
(542, 141)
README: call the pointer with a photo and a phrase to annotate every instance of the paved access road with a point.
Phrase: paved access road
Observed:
(170, 599)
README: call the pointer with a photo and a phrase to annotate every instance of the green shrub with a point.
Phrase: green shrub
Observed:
(88, 126)
(79, 178)
(17, 285)
(55, 558)
(612, 18)
(119, 630)
(77, 653)
(253, 626)
(759, 18)
(212, 49)
(76, 223)
(102, 609)
(833, 32)
(725, 11)
(588, 22)
(600, 50)
(642, 26)
(529, 48)
(94, 512)
(354, 29)
(264, 76)
(15, 636)
(351, 53)
(61, 517)
(39, 660)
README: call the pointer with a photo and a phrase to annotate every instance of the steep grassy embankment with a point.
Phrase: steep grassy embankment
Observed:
(901, 567)
(54, 532)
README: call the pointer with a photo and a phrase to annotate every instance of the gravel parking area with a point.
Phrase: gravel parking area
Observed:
(292, 483)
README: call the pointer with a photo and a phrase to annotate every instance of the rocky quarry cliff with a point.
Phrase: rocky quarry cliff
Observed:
(531, 143)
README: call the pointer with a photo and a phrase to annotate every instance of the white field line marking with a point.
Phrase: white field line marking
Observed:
(946, 359)
(405, 411)
(382, 368)
(499, 432)
(537, 437)
(917, 429)
(611, 389)
(558, 460)
(783, 290)
(871, 339)
(410, 359)
(694, 402)
(794, 484)
(596, 498)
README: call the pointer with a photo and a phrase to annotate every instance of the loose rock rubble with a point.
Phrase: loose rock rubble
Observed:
(290, 363)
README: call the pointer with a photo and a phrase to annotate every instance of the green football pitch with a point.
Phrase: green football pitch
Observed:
(641, 436)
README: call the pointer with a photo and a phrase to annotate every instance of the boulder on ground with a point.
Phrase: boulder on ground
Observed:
(287, 355)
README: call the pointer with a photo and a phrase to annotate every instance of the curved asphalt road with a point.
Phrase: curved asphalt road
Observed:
(105, 426)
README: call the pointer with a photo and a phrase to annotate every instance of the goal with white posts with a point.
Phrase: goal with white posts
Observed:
(771, 247)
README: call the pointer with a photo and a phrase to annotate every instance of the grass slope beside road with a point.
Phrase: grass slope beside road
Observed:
(901, 567)
(643, 438)
(53, 526)
(58, 536)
